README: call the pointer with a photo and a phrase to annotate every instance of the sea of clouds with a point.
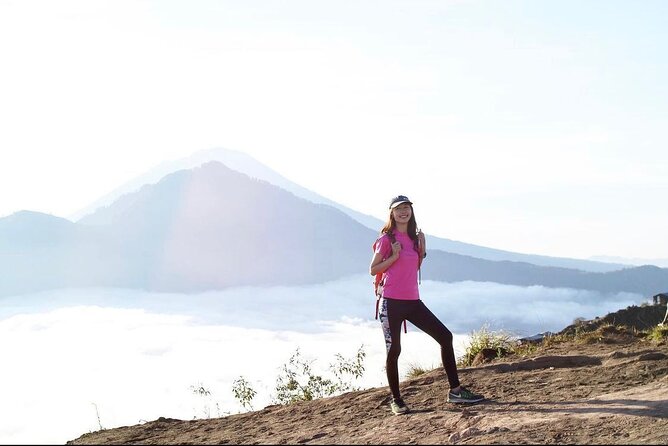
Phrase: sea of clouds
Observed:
(77, 360)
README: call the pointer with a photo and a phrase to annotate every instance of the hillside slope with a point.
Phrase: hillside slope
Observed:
(610, 391)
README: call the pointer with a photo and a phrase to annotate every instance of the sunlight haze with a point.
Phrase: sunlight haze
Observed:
(529, 126)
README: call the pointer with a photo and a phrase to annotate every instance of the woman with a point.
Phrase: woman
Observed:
(397, 256)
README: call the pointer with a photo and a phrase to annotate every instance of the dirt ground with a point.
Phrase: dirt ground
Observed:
(611, 391)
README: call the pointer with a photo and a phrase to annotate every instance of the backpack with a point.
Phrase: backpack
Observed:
(379, 278)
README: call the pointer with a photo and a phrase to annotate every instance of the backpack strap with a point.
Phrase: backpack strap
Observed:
(421, 255)
(379, 279)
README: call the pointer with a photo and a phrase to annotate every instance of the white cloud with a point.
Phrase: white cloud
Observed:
(134, 355)
(129, 365)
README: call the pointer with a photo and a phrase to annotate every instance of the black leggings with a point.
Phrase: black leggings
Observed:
(392, 313)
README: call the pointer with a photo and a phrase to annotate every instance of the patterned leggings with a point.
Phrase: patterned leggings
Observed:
(392, 313)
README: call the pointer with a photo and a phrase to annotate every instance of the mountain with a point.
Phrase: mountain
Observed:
(212, 227)
(246, 164)
(235, 160)
(33, 229)
(663, 263)
(205, 228)
(448, 267)
(39, 251)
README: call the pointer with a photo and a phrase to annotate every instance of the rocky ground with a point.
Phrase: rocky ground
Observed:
(609, 387)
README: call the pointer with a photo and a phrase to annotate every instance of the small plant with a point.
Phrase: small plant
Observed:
(97, 414)
(484, 339)
(415, 370)
(554, 339)
(527, 349)
(243, 392)
(588, 337)
(599, 334)
(201, 391)
(353, 367)
(658, 333)
(298, 383)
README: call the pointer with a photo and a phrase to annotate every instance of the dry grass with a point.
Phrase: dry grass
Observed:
(507, 345)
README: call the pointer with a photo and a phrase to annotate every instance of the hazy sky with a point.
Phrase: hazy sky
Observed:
(531, 126)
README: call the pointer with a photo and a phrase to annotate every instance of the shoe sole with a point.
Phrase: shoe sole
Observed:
(466, 401)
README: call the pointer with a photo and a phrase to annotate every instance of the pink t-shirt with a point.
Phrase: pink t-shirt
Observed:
(401, 278)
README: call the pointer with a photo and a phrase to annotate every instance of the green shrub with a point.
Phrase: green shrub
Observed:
(353, 367)
(298, 383)
(658, 333)
(243, 392)
(500, 341)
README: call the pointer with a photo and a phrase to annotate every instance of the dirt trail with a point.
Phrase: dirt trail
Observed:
(614, 391)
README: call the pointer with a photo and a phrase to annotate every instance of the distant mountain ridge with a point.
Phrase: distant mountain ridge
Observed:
(450, 267)
(212, 227)
(632, 261)
(246, 164)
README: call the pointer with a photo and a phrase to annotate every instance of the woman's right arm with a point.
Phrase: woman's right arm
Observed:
(378, 265)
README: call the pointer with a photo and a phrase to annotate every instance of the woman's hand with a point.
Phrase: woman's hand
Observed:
(379, 264)
(396, 249)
